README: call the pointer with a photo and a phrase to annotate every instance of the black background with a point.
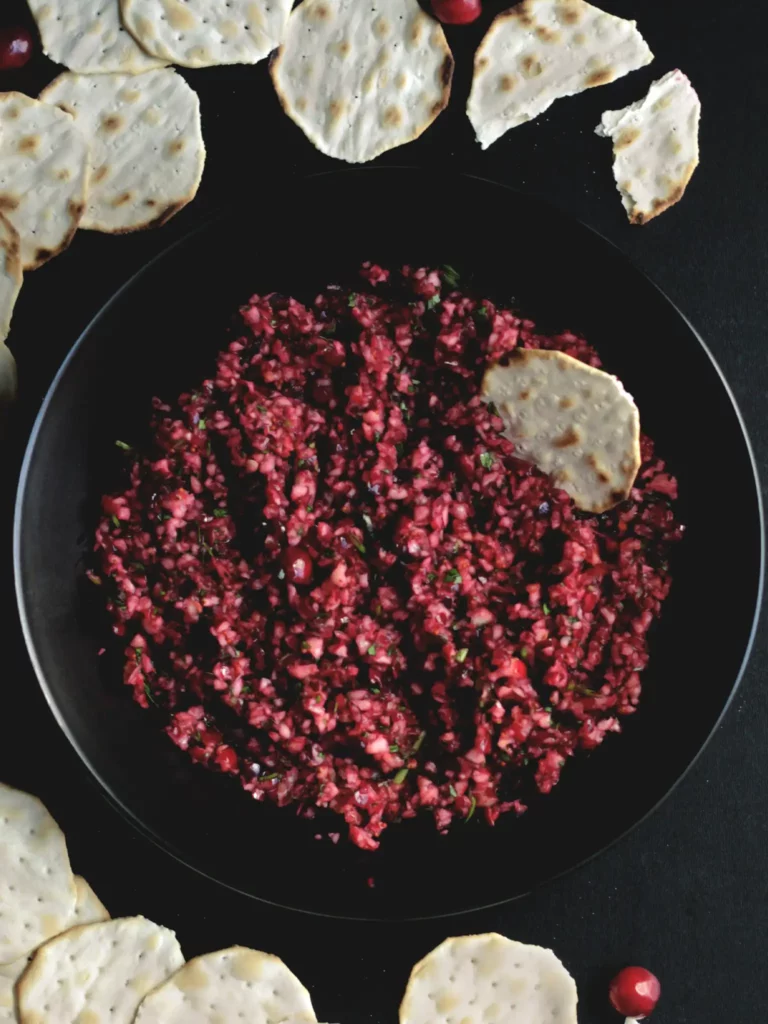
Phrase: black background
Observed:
(687, 894)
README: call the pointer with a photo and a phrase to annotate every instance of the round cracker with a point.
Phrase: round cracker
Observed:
(147, 150)
(573, 421)
(11, 274)
(360, 77)
(88, 36)
(97, 973)
(88, 907)
(476, 979)
(201, 33)
(232, 984)
(43, 175)
(542, 50)
(37, 890)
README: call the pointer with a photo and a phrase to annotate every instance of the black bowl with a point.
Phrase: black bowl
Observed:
(160, 333)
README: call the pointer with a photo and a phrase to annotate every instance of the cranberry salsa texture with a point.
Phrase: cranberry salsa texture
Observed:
(339, 584)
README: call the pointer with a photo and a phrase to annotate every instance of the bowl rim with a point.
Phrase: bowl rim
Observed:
(217, 216)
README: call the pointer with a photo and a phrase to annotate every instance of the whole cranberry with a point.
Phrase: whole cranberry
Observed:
(15, 47)
(634, 992)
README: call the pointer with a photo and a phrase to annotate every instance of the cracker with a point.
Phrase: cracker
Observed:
(10, 273)
(201, 33)
(9, 975)
(572, 421)
(147, 151)
(97, 973)
(43, 176)
(88, 907)
(232, 984)
(489, 979)
(37, 890)
(655, 146)
(8, 383)
(360, 77)
(88, 36)
(542, 50)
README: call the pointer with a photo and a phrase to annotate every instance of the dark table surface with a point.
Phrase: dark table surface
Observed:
(687, 893)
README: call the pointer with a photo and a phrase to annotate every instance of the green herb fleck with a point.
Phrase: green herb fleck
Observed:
(450, 276)
(461, 656)
(452, 791)
(432, 302)
(419, 740)
(268, 778)
(452, 576)
(148, 692)
(431, 577)
(372, 650)
(124, 446)
(220, 513)
(202, 424)
(472, 806)
(352, 301)
(524, 652)
(487, 461)
(394, 749)
(375, 689)
(281, 574)
(548, 709)
(482, 310)
(116, 521)
(358, 544)
(545, 608)
(401, 776)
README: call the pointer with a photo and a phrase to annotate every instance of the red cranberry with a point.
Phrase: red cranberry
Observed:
(15, 47)
(322, 392)
(457, 12)
(634, 992)
(330, 352)
(298, 566)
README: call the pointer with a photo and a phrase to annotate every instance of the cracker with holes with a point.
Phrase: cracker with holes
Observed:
(360, 77)
(37, 890)
(542, 50)
(478, 979)
(43, 175)
(655, 146)
(88, 36)
(97, 973)
(147, 151)
(10, 273)
(233, 984)
(9, 975)
(572, 421)
(201, 33)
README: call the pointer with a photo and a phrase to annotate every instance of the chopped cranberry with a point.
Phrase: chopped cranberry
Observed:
(331, 353)
(322, 392)
(634, 992)
(297, 563)
(15, 47)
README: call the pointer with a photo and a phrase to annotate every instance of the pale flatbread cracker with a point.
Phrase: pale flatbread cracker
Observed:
(201, 33)
(37, 890)
(360, 77)
(88, 907)
(9, 975)
(574, 422)
(43, 175)
(489, 979)
(655, 146)
(230, 985)
(542, 50)
(88, 36)
(147, 150)
(97, 973)
(11, 274)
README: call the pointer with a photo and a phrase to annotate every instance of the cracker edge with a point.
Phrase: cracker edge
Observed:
(520, 355)
(446, 74)
(14, 268)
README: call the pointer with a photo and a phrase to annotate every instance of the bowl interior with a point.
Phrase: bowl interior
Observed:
(161, 333)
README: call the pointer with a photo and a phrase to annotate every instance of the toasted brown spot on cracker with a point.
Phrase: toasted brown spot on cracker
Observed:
(507, 83)
(301, 104)
(175, 146)
(178, 16)
(130, 95)
(602, 473)
(446, 71)
(8, 202)
(547, 35)
(569, 13)
(417, 26)
(100, 174)
(42, 255)
(150, 202)
(381, 27)
(481, 62)
(335, 109)
(11, 113)
(401, 80)
(531, 66)
(321, 12)
(392, 117)
(29, 144)
(75, 209)
(567, 403)
(524, 395)
(568, 439)
(112, 123)
(627, 137)
(345, 48)
(579, 38)
(600, 77)
(122, 199)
